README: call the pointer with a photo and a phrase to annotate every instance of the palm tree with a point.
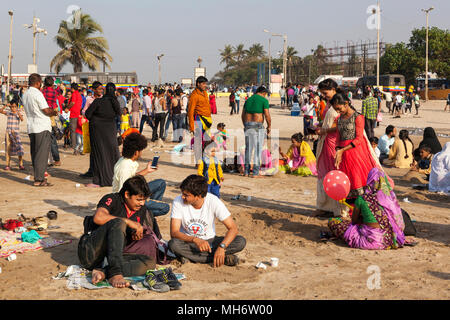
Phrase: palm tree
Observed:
(320, 56)
(79, 47)
(239, 52)
(290, 54)
(255, 52)
(227, 55)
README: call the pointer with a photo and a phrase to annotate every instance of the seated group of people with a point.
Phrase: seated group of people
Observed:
(121, 239)
(422, 162)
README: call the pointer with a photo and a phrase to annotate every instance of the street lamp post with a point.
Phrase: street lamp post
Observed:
(159, 66)
(270, 60)
(427, 11)
(10, 53)
(378, 43)
(285, 60)
(36, 30)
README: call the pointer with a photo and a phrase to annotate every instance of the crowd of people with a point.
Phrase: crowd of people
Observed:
(101, 120)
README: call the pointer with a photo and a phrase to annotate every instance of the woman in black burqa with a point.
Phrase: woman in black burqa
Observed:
(431, 140)
(103, 133)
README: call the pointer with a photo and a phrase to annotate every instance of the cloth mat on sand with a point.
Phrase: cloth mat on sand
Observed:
(78, 277)
(11, 242)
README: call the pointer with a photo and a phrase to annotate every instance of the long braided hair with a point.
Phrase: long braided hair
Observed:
(404, 135)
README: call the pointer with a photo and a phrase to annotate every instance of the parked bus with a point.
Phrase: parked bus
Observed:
(120, 79)
(389, 82)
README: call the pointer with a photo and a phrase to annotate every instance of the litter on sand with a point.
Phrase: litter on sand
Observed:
(28, 178)
(406, 200)
(261, 265)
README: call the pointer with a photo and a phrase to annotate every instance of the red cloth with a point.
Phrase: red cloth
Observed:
(76, 108)
(61, 100)
(50, 95)
(212, 103)
(79, 128)
(358, 161)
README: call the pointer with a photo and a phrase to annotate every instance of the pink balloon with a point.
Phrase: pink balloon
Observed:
(336, 185)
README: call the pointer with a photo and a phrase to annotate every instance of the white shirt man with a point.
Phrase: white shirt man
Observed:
(192, 226)
(34, 102)
(147, 105)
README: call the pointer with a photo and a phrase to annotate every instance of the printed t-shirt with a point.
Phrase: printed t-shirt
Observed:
(199, 222)
(115, 205)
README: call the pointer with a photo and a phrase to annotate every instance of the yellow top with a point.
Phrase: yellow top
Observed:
(212, 174)
(397, 154)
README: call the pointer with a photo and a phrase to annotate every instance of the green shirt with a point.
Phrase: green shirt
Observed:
(365, 211)
(256, 104)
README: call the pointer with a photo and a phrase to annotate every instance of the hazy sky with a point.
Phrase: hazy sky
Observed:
(183, 30)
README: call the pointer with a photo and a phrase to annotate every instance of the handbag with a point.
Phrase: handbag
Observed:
(379, 117)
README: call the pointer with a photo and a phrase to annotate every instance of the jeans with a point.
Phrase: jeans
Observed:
(109, 241)
(307, 123)
(54, 149)
(214, 188)
(154, 204)
(79, 146)
(254, 139)
(369, 125)
(144, 119)
(189, 250)
(178, 121)
(168, 120)
(237, 106)
(73, 128)
(160, 119)
(233, 107)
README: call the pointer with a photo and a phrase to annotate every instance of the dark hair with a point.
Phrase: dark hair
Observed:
(261, 89)
(221, 125)
(74, 86)
(110, 90)
(373, 140)
(340, 98)
(404, 135)
(328, 84)
(425, 148)
(132, 143)
(145, 92)
(196, 185)
(136, 186)
(96, 84)
(200, 79)
(178, 91)
(297, 137)
(48, 81)
(390, 128)
(34, 78)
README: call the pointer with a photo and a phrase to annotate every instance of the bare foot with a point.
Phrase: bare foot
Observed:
(118, 281)
(91, 185)
(97, 276)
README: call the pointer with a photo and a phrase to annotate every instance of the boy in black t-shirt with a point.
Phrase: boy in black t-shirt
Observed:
(122, 231)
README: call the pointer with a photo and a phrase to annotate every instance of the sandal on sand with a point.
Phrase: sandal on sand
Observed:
(7, 168)
(44, 183)
(21, 168)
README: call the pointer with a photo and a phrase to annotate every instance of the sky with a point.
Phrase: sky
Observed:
(183, 30)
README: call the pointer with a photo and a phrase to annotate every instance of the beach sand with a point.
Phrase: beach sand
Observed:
(277, 222)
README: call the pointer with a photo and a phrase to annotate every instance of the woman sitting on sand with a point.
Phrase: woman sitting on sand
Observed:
(400, 154)
(440, 171)
(377, 221)
(299, 159)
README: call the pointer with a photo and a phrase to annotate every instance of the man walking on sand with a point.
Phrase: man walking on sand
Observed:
(256, 109)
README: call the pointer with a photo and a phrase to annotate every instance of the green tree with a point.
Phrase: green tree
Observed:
(239, 53)
(80, 47)
(291, 59)
(255, 52)
(399, 59)
(227, 56)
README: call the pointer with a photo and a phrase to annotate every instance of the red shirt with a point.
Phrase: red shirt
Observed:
(76, 108)
(50, 95)
(61, 100)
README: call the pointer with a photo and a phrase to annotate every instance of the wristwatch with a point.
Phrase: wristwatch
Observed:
(223, 246)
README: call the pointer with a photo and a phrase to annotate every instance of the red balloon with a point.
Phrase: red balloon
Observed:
(336, 185)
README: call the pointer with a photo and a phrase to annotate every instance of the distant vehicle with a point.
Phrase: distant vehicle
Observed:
(120, 79)
(436, 83)
(389, 82)
(22, 78)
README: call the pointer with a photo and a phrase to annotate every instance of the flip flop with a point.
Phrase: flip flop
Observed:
(21, 168)
(43, 184)
(8, 168)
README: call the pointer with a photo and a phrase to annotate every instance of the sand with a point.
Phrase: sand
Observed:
(277, 222)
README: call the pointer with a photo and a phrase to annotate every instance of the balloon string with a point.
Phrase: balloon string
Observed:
(344, 202)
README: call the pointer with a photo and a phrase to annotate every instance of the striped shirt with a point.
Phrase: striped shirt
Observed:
(12, 122)
(370, 108)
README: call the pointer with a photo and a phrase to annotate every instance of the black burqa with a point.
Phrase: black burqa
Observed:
(103, 134)
(430, 139)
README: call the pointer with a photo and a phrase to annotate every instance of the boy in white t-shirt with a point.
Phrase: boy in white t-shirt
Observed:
(192, 226)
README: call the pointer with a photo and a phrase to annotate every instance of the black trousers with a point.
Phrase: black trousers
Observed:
(189, 250)
(369, 125)
(109, 241)
(73, 127)
(40, 144)
(233, 108)
(160, 119)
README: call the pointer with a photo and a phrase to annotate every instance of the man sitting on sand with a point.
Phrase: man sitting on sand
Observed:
(120, 231)
(192, 226)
